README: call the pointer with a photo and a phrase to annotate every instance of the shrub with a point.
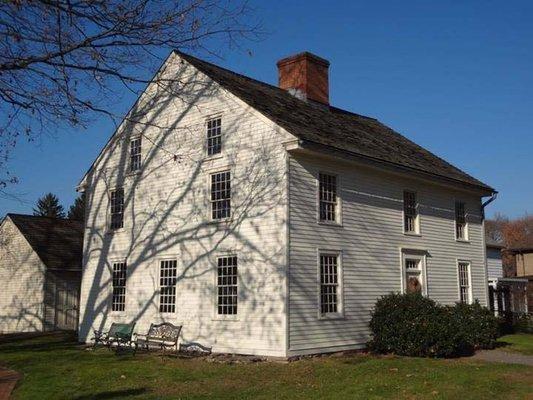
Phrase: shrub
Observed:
(478, 324)
(413, 325)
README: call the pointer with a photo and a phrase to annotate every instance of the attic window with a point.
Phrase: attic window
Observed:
(214, 136)
(135, 154)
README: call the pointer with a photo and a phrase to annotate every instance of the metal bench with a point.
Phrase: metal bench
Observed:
(161, 336)
(118, 333)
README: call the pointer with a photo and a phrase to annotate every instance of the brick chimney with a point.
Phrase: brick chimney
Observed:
(305, 76)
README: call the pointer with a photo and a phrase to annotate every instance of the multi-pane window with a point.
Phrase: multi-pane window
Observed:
(328, 200)
(118, 301)
(464, 282)
(460, 221)
(413, 275)
(410, 212)
(117, 208)
(329, 284)
(227, 285)
(214, 136)
(221, 195)
(135, 154)
(167, 286)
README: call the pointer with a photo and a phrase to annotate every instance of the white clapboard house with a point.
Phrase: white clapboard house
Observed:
(265, 220)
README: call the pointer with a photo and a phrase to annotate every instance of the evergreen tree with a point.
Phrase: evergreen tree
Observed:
(49, 206)
(77, 210)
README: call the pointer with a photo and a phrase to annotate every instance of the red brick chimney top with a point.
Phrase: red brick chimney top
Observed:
(305, 75)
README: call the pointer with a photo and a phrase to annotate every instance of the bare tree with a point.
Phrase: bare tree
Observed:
(63, 60)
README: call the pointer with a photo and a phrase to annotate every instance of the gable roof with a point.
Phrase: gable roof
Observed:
(57, 242)
(333, 127)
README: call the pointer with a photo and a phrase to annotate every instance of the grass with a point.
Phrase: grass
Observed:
(518, 343)
(56, 367)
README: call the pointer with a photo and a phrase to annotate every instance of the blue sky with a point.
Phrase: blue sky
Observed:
(454, 76)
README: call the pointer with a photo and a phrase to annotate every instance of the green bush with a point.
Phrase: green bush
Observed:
(413, 325)
(478, 324)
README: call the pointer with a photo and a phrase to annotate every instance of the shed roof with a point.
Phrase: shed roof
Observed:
(57, 242)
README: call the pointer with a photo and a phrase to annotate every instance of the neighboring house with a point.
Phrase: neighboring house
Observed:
(523, 262)
(494, 259)
(506, 294)
(40, 271)
(266, 221)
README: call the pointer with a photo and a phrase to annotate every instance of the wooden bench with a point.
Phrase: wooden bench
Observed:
(162, 336)
(118, 333)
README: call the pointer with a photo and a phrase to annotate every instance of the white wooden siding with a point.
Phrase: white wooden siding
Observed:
(22, 277)
(167, 216)
(494, 263)
(371, 238)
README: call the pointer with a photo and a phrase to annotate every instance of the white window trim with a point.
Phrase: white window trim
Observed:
(418, 223)
(110, 286)
(131, 139)
(340, 294)
(212, 171)
(338, 214)
(159, 260)
(208, 157)
(216, 315)
(466, 239)
(470, 292)
(108, 228)
(419, 254)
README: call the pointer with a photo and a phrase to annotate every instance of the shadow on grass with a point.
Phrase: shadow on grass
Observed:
(113, 394)
(39, 342)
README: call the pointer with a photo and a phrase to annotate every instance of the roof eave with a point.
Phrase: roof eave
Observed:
(307, 145)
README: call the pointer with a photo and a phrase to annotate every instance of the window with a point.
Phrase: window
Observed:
(227, 285)
(135, 154)
(460, 221)
(413, 278)
(214, 136)
(117, 209)
(464, 282)
(329, 285)
(327, 191)
(220, 195)
(167, 286)
(118, 302)
(410, 212)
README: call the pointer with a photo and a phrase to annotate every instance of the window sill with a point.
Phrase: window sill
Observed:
(331, 317)
(415, 234)
(111, 232)
(223, 221)
(213, 157)
(133, 173)
(466, 241)
(330, 223)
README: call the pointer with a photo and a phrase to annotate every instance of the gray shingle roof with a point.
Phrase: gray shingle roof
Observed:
(489, 242)
(57, 242)
(333, 127)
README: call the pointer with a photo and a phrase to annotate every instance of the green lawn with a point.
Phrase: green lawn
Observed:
(519, 343)
(55, 367)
